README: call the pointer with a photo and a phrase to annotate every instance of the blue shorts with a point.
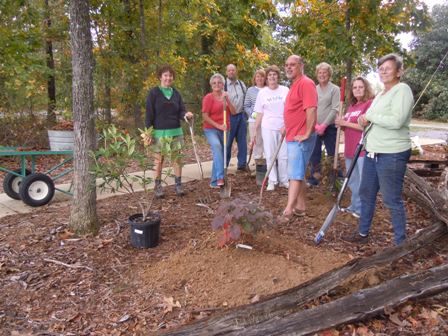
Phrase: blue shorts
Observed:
(299, 154)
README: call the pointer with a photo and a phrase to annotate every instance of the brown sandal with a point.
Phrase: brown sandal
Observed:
(299, 213)
(284, 218)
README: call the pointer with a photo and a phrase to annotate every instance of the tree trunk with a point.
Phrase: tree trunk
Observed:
(349, 60)
(159, 29)
(83, 217)
(107, 96)
(51, 81)
(108, 78)
(205, 50)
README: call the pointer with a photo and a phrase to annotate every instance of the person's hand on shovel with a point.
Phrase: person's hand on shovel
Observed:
(189, 115)
(340, 122)
(222, 127)
(362, 121)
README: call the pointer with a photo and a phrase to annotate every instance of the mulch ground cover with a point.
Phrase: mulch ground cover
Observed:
(56, 283)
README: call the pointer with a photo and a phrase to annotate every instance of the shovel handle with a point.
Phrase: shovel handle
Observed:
(338, 132)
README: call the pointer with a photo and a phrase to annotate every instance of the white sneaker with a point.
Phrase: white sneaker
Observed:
(284, 185)
(271, 187)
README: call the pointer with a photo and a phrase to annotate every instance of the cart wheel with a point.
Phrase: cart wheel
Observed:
(11, 183)
(36, 189)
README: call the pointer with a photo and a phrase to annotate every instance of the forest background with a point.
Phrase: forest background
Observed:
(131, 38)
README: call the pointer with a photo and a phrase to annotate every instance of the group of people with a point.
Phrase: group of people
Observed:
(299, 120)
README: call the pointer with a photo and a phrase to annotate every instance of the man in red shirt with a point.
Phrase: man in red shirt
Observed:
(300, 118)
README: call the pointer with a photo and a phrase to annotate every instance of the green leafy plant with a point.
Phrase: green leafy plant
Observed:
(117, 159)
(239, 216)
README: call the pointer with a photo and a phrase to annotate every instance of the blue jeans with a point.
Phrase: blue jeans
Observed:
(215, 138)
(329, 140)
(354, 183)
(384, 173)
(238, 131)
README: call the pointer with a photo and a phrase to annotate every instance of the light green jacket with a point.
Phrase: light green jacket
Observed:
(390, 114)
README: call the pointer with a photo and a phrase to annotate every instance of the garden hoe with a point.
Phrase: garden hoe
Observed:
(333, 212)
(226, 190)
(334, 173)
(266, 177)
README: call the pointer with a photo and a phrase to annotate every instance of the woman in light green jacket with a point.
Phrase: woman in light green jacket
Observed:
(388, 148)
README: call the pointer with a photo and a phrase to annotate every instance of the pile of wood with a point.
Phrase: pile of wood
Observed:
(285, 312)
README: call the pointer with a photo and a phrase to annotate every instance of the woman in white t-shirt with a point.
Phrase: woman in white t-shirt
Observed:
(269, 108)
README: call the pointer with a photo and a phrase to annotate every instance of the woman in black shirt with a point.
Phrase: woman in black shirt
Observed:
(164, 111)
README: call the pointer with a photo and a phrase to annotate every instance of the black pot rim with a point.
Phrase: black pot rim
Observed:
(148, 221)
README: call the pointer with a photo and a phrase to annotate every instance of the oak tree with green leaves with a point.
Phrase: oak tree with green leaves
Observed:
(429, 49)
(352, 34)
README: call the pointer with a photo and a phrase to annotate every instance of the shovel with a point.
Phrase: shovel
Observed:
(263, 184)
(193, 141)
(251, 150)
(226, 190)
(334, 173)
(206, 198)
(336, 208)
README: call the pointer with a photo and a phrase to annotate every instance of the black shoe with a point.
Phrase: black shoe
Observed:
(356, 238)
(312, 182)
(179, 190)
(242, 168)
(351, 212)
(178, 187)
(158, 189)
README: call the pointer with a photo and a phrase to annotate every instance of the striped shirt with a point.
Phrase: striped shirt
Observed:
(249, 101)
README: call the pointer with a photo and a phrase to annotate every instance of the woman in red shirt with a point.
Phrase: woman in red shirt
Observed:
(214, 126)
(361, 96)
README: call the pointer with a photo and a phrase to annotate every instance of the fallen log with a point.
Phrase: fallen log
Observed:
(358, 306)
(289, 301)
(425, 196)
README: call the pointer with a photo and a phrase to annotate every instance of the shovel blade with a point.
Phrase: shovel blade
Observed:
(328, 221)
(225, 191)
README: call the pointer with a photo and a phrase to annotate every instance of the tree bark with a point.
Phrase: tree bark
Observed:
(358, 306)
(108, 77)
(51, 81)
(83, 217)
(349, 60)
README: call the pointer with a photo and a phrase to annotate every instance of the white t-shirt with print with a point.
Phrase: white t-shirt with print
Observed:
(271, 104)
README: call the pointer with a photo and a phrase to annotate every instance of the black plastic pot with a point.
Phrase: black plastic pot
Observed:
(145, 234)
(260, 171)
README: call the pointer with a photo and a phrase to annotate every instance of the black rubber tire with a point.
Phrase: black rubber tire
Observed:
(11, 183)
(36, 189)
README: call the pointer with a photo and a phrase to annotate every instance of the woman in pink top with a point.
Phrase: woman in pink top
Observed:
(360, 98)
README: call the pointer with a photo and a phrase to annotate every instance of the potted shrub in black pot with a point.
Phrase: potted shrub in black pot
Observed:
(115, 162)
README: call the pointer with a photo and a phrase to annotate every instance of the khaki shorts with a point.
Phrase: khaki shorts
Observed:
(167, 145)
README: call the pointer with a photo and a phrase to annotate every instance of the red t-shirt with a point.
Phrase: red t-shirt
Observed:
(352, 136)
(301, 96)
(215, 110)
